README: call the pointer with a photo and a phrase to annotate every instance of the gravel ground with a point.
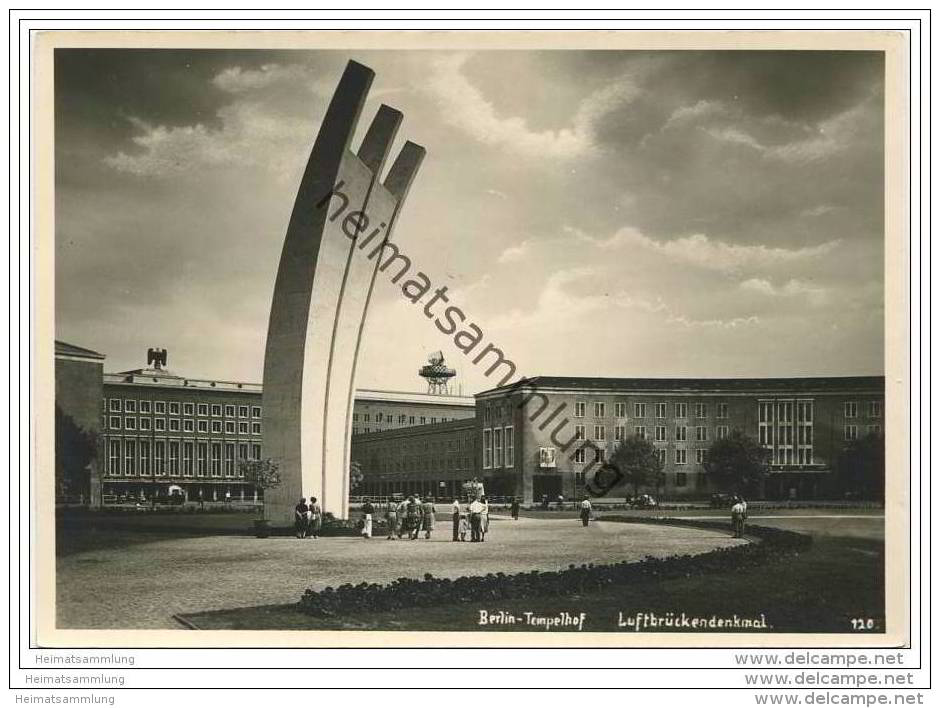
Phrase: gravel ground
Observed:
(141, 586)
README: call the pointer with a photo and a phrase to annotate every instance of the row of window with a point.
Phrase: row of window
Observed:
(599, 455)
(185, 425)
(850, 409)
(659, 433)
(128, 458)
(498, 448)
(402, 419)
(851, 431)
(128, 405)
(660, 410)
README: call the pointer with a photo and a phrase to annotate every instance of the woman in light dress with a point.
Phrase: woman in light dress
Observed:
(485, 518)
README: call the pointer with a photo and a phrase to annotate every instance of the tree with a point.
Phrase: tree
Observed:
(860, 467)
(736, 463)
(75, 450)
(638, 461)
(355, 475)
(261, 474)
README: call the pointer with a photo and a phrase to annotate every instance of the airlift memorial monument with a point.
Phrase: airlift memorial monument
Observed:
(321, 296)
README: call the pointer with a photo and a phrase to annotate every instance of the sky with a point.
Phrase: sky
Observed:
(594, 213)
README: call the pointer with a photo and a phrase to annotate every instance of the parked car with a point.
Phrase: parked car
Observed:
(643, 501)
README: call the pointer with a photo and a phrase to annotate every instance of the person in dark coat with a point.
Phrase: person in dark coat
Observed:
(514, 509)
(301, 518)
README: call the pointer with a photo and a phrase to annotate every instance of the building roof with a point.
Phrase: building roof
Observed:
(367, 394)
(66, 349)
(794, 384)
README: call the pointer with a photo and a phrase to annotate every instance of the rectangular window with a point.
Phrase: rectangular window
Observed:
(202, 426)
(874, 409)
(114, 456)
(722, 410)
(159, 458)
(423, 420)
(230, 427)
(487, 449)
(497, 447)
(660, 410)
(701, 433)
(620, 433)
(851, 409)
(681, 479)
(579, 409)
(639, 410)
(680, 456)
(255, 452)
(874, 430)
(620, 410)
(721, 432)
(130, 457)
(115, 405)
(388, 418)
(600, 432)
(216, 469)
(159, 407)
(851, 432)
(202, 409)
(640, 431)
(355, 417)
(216, 410)
(130, 424)
(130, 406)
(187, 459)
(115, 422)
(174, 408)
(661, 454)
(229, 411)
(243, 413)
(202, 458)
(217, 427)
(599, 409)
(660, 433)
(579, 455)
(682, 410)
(243, 451)
(174, 425)
(144, 406)
(411, 420)
(765, 424)
(188, 425)
(145, 458)
(510, 449)
(579, 432)
(242, 428)
(600, 454)
(700, 456)
(367, 417)
(256, 428)
(230, 459)
(174, 457)
(701, 410)
(159, 424)
(188, 408)
(681, 433)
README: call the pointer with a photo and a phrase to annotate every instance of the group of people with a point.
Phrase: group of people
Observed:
(409, 517)
(308, 518)
(738, 516)
(473, 520)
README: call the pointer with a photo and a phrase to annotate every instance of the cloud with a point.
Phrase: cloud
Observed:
(464, 105)
(712, 254)
(515, 253)
(237, 80)
(792, 288)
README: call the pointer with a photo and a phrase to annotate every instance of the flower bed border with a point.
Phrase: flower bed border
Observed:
(767, 544)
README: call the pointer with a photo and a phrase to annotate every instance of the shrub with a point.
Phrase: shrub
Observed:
(492, 587)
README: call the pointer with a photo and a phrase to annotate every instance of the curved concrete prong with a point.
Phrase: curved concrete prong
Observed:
(378, 141)
(404, 169)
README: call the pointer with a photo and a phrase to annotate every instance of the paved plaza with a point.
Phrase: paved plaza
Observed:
(143, 585)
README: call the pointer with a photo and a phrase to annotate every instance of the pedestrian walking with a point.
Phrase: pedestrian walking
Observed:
(402, 517)
(301, 518)
(514, 509)
(367, 511)
(427, 516)
(455, 510)
(316, 518)
(413, 518)
(737, 518)
(391, 518)
(476, 521)
(586, 510)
